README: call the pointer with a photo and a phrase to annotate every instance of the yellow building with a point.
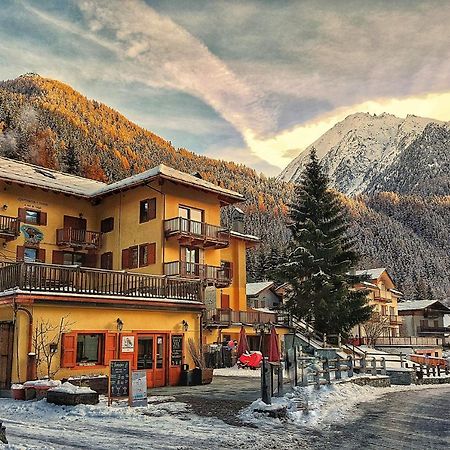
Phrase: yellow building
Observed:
(137, 268)
(383, 297)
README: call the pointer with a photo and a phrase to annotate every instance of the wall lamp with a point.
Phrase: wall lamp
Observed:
(5, 207)
(119, 324)
(185, 325)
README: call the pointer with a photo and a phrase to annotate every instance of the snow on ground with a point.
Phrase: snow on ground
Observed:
(236, 372)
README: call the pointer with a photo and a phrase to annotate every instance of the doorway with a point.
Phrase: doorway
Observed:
(153, 357)
(6, 353)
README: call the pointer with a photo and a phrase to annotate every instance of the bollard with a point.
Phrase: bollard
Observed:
(295, 367)
(280, 381)
(433, 370)
(3, 434)
(338, 374)
(401, 360)
(374, 367)
(350, 366)
(362, 365)
(428, 370)
(265, 397)
(383, 366)
(439, 371)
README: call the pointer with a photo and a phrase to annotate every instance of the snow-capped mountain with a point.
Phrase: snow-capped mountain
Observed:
(367, 153)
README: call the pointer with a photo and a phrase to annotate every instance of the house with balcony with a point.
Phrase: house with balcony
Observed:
(425, 318)
(144, 261)
(383, 297)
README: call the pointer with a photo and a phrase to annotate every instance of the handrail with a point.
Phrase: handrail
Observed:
(228, 316)
(196, 228)
(198, 271)
(9, 225)
(44, 277)
(78, 237)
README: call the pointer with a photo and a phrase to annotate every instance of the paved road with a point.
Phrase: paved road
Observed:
(399, 421)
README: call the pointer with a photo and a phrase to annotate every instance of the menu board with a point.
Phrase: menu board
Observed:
(139, 388)
(119, 378)
(177, 350)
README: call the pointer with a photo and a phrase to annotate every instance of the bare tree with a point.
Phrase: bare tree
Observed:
(375, 327)
(46, 342)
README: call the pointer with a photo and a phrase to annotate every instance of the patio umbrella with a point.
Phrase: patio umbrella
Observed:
(243, 343)
(274, 351)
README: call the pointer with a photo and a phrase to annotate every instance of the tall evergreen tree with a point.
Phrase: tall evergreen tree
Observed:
(319, 265)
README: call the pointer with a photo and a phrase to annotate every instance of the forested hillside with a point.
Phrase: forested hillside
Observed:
(48, 123)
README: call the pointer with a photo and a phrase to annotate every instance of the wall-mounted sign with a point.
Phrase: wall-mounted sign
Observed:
(127, 344)
(32, 234)
(139, 388)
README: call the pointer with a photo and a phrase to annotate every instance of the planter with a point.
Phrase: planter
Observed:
(202, 376)
(30, 393)
(17, 392)
(66, 398)
(41, 392)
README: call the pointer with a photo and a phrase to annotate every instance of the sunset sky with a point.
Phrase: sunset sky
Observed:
(249, 81)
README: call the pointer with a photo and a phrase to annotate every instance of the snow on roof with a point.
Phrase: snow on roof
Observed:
(412, 305)
(255, 288)
(264, 310)
(247, 237)
(371, 285)
(374, 274)
(31, 175)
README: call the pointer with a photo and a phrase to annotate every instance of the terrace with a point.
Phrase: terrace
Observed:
(220, 276)
(38, 277)
(78, 238)
(227, 317)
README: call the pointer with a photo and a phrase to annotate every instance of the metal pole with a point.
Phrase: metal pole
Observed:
(265, 397)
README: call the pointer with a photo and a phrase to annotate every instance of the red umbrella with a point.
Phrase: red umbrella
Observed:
(243, 343)
(274, 351)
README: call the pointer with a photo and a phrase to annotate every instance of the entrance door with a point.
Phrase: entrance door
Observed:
(6, 353)
(152, 357)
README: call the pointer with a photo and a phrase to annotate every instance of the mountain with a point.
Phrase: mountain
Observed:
(373, 153)
(48, 123)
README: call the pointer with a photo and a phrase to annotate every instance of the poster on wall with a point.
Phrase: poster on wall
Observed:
(127, 344)
(139, 388)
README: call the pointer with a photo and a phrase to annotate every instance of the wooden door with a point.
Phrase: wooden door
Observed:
(146, 357)
(161, 358)
(6, 353)
(225, 301)
(77, 223)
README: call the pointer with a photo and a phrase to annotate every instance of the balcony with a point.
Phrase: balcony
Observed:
(83, 281)
(411, 341)
(9, 227)
(219, 276)
(228, 317)
(197, 234)
(76, 238)
(432, 330)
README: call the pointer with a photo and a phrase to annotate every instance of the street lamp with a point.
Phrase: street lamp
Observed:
(263, 329)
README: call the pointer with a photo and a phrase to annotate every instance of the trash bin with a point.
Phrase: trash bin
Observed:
(186, 376)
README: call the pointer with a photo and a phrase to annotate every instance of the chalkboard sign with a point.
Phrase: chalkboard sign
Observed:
(177, 350)
(119, 379)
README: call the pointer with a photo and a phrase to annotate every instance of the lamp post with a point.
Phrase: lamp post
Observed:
(262, 328)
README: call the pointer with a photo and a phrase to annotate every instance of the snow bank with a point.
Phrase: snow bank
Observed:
(237, 372)
(42, 383)
(69, 388)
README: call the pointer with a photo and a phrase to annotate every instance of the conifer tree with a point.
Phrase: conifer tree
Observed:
(321, 259)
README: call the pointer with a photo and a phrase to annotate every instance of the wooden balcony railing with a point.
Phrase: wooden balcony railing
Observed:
(79, 280)
(220, 276)
(195, 233)
(73, 237)
(227, 317)
(432, 330)
(409, 341)
(9, 227)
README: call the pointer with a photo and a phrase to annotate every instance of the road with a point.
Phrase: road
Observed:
(402, 420)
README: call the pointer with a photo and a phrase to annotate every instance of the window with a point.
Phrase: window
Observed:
(90, 349)
(133, 257)
(147, 210)
(139, 256)
(107, 225)
(32, 216)
(72, 258)
(30, 254)
(106, 261)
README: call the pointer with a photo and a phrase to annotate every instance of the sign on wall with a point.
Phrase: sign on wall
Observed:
(139, 388)
(127, 344)
(119, 379)
(31, 234)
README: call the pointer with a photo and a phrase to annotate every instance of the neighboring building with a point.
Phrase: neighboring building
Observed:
(262, 295)
(425, 318)
(133, 265)
(383, 296)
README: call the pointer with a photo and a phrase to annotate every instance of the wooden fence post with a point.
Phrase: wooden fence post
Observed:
(362, 364)
(383, 366)
(280, 381)
(374, 366)
(326, 370)
(401, 360)
(433, 370)
(338, 374)
(439, 371)
(317, 379)
(295, 364)
(350, 366)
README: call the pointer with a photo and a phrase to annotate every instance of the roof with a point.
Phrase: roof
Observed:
(246, 237)
(374, 274)
(419, 304)
(31, 175)
(255, 288)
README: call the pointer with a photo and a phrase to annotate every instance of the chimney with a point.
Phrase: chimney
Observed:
(237, 220)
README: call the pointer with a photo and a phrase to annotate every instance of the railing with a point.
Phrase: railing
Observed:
(79, 280)
(408, 341)
(9, 226)
(226, 316)
(74, 237)
(204, 272)
(421, 329)
(211, 234)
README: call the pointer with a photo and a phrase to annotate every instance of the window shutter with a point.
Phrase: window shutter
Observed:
(57, 257)
(152, 208)
(22, 214)
(41, 255)
(68, 349)
(42, 218)
(230, 271)
(90, 260)
(125, 258)
(106, 261)
(225, 301)
(151, 253)
(20, 253)
(107, 225)
(110, 347)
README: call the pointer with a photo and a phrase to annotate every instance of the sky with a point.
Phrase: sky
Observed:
(253, 82)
